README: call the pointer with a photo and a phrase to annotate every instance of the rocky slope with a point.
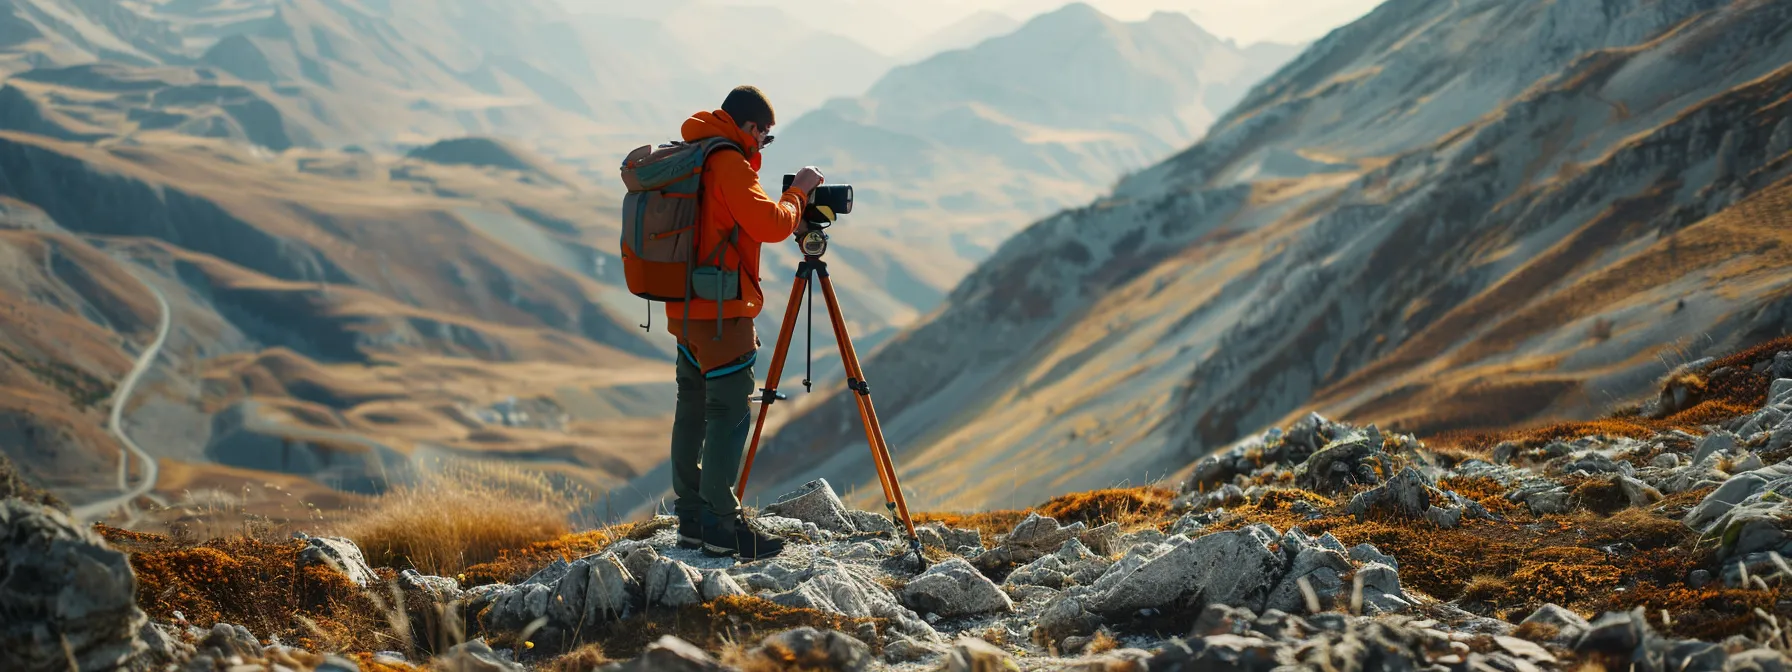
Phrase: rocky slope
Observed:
(1652, 542)
(1444, 215)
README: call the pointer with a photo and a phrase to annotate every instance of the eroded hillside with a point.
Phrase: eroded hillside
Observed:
(1442, 216)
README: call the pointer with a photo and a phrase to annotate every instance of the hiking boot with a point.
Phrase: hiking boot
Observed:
(738, 537)
(690, 533)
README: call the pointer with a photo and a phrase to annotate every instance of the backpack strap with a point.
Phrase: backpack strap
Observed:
(711, 146)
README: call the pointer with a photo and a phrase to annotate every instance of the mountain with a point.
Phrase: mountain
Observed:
(715, 47)
(964, 33)
(1498, 204)
(951, 155)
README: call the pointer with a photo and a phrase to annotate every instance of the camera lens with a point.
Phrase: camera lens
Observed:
(837, 197)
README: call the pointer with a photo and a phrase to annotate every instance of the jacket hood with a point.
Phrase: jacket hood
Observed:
(718, 124)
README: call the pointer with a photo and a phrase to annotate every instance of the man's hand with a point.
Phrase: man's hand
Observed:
(806, 180)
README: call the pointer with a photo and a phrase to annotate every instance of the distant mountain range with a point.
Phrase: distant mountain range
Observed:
(1530, 209)
(953, 154)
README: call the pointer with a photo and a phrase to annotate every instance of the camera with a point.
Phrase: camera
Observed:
(834, 197)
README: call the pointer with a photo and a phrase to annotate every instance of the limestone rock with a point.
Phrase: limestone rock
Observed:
(835, 587)
(61, 585)
(226, 639)
(866, 522)
(1041, 532)
(1235, 567)
(816, 503)
(970, 654)
(955, 588)
(1218, 652)
(815, 650)
(339, 554)
(1063, 618)
(718, 584)
(1347, 461)
(1715, 443)
(669, 654)
(474, 656)
(949, 538)
(670, 583)
(1569, 626)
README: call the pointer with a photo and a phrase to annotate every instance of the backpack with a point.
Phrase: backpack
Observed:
(660, 216)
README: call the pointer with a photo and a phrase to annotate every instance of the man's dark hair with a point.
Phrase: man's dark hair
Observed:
(748, 103)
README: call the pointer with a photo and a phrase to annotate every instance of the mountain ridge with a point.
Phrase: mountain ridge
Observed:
(1207, 295)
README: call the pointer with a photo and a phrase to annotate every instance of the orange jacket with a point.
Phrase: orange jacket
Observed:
(731, 196)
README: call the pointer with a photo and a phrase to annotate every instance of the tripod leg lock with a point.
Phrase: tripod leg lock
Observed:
(859, 386)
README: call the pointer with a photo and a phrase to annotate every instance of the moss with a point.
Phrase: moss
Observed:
(1563, 575)
(1600, 495)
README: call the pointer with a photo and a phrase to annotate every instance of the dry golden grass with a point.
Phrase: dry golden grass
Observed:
(461, 517)
(1130, 507)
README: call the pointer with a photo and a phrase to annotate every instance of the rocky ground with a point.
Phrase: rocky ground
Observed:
(1653, 539)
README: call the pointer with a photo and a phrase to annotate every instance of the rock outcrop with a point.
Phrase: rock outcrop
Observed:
(68, 598)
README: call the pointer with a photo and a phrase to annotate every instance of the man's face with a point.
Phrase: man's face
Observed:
(763, 136)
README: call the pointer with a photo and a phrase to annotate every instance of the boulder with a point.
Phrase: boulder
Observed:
(1042, 533)
(955, 588)
(835, 587)
(949, 538)
(1235, 567)
(1062, 618)
(810, 649)
(65, 594)
(1218, 652)
(1569, 626)
(1715, 443)
(670, 583)
(669, 654)
(970, 654)
(718, 584)
(1344, 462)
(225, 640)
(339, 554)
(816, 503)
(866, 522)
(474, 656)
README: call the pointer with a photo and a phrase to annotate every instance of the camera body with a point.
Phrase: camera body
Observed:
(836, 198)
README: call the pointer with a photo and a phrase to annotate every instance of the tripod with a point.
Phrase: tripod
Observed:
(812, 270)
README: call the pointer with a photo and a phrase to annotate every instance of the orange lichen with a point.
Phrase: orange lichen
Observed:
(1563, 575)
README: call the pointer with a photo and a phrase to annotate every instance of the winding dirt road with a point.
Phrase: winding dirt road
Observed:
(120, 400)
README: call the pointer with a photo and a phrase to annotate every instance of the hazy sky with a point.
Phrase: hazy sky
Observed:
(892, 25)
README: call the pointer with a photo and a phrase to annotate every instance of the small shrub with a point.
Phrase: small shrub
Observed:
(460, 517)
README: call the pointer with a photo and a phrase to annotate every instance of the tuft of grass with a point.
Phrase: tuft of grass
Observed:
(461, 516)
(988, 523)
(1127, 506)
(582, 659)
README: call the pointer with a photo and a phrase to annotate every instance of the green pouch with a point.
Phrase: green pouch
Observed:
(714, 283)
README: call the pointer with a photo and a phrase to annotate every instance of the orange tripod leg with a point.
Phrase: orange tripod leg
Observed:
(880, 451)
(785, 332)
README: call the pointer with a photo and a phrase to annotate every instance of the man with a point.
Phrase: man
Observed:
(715, 369)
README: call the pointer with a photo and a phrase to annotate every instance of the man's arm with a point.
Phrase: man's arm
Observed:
(760, 218)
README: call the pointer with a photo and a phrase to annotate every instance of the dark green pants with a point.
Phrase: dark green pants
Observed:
(710, 427)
